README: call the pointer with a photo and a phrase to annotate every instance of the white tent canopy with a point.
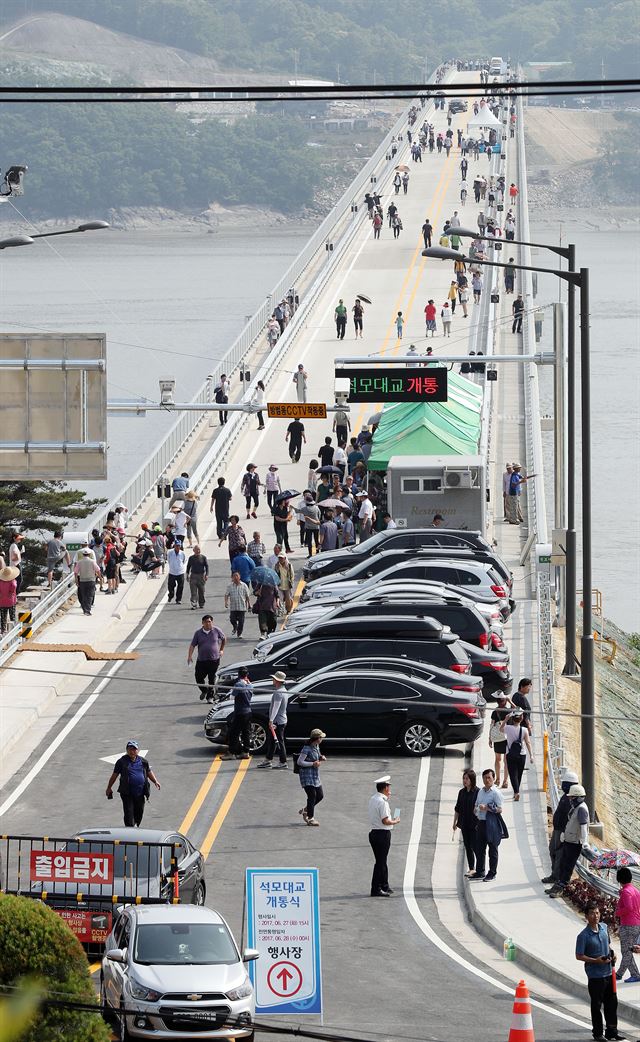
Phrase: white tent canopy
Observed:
(484, 120)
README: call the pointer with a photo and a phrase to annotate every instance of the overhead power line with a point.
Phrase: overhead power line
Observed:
(343, 88)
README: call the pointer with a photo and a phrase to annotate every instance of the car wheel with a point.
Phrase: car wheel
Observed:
(257, 737)
(199, 894)
(418, 739)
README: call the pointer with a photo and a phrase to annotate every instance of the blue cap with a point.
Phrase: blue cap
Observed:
(132, 744)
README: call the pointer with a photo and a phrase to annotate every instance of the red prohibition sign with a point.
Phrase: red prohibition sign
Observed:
(284, 979)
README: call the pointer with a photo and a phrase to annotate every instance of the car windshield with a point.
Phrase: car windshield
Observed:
(184, 944)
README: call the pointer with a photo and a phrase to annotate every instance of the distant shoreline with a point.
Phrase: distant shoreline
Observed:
(150, 218)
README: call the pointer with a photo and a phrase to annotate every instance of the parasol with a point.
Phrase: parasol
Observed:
(328, 470)
(288, 493)
(361, 296)
(263, 576)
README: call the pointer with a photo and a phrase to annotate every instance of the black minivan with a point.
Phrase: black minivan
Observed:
(326, 642)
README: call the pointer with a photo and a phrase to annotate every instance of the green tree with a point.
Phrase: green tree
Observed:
(39, 507)
(37, 945)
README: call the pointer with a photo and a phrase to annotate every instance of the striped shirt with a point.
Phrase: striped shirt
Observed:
(237, 596)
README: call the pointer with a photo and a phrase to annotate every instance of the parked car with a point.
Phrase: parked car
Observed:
(448, 678)
(178, 973)
(373, 565)
(325, 643)
(476, 576)
(490, 664)
(415, 589)
(362, 708)
(142, 871)
(461, 619)
(391, 539)
(458, 105)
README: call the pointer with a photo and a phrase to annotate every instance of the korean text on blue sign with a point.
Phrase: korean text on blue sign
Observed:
(416, 383)
(283, 918)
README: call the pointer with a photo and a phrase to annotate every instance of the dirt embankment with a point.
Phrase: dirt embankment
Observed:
(564, 147)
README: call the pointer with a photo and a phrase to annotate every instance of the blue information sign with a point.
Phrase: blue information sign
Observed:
(283, 916)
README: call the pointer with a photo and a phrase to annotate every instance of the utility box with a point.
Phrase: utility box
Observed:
(420, 486)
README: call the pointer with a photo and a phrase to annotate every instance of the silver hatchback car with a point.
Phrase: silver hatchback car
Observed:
(174, 971)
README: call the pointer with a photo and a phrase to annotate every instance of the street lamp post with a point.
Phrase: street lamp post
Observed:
(579, 279)
(568, 252)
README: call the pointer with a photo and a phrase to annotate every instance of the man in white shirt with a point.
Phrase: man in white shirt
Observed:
(365, 514)
(177, 563)
(381, 826)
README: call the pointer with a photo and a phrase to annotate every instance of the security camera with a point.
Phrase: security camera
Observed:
(167, 387)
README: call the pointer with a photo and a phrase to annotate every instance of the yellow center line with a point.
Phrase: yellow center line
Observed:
(200, 796)
(296, 596)
(423, 260)
(416, 253)
(94, 967)
(225, 807)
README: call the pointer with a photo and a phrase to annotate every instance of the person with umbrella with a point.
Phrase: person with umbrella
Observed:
(282, 515)
(358, 315)
(323, 491)
(328, 533)
(266, 607)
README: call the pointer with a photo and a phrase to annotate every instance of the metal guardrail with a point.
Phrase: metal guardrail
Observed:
(41, 612)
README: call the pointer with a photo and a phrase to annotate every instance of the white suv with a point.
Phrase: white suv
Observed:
(171, 971)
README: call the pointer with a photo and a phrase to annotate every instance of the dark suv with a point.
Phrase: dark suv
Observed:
(326, 642)
(391, 539)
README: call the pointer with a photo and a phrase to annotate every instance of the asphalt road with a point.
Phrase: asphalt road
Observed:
(382, 978)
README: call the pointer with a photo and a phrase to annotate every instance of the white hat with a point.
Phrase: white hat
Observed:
(576, 790)
(570, 776)
(383, 780)
(279, 676)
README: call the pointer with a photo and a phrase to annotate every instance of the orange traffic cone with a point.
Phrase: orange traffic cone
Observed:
(521, 1022)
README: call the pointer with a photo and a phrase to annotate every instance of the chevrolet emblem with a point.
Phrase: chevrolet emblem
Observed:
(194, 998)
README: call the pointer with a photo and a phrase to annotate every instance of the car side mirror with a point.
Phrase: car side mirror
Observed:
(250, 955)
(117, 955)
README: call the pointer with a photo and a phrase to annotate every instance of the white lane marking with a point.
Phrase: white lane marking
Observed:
(77, 717)
(408, 885)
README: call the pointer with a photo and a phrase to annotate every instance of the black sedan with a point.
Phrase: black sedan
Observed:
(362, 710)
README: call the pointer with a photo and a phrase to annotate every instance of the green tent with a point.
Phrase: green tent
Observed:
(424, 429)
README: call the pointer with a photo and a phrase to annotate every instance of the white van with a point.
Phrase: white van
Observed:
(497, 67)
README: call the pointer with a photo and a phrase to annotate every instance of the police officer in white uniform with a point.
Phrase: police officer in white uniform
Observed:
(381, 826)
